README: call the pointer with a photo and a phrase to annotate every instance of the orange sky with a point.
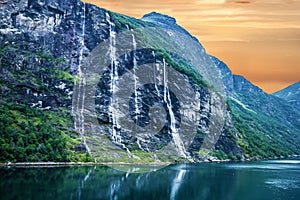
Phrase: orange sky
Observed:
(259, 39)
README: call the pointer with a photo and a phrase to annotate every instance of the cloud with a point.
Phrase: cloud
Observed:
(211, 1)
(241, 1)
(259, 39)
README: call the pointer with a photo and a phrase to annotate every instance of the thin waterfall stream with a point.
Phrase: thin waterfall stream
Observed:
(174, 132)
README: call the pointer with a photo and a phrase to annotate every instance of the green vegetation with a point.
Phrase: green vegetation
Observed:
(137, 157)
(182, 66)
(219, 154)
(262, 136)
(29, 134)
(32, 135)
(122, 21)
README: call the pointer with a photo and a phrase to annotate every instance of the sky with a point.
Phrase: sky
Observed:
(258, 39)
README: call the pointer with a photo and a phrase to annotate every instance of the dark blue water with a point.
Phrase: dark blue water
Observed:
(264, 180)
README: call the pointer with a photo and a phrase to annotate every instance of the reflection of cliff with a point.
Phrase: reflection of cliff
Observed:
(44, 183)
(246, 180)
(173, 182)
(178, 179)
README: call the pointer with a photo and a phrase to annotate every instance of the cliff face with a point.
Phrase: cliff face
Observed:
(42, 45)
(38, 36)
(48, 51)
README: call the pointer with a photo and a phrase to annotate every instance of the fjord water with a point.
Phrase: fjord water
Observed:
(278, 179)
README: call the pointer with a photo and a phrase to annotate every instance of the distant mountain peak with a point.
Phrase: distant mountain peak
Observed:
(290, 94)
(294, 85)
(167, 22)
(158, 17)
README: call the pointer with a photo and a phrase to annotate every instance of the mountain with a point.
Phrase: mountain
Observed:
(81, 83)
(290, 94)
(166, 22)
(263, 120)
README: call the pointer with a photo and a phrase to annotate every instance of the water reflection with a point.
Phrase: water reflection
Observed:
(197, 181)
(177, 183)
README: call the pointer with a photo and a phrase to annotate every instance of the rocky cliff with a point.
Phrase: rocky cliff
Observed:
(63, 63)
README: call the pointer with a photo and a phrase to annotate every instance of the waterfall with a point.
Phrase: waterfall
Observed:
(174, 132)
(80, 74)
(154, 74)
(165, 81)
(116, 138)
(137, 110)
(139, 139)
(113, 72)
(81, 86)
(83, 18)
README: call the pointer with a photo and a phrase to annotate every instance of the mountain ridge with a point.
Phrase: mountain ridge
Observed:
(291, 94)
(167, 22)
(50, 41)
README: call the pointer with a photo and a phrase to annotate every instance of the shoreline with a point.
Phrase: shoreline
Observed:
(65, 164)
(69, 164)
